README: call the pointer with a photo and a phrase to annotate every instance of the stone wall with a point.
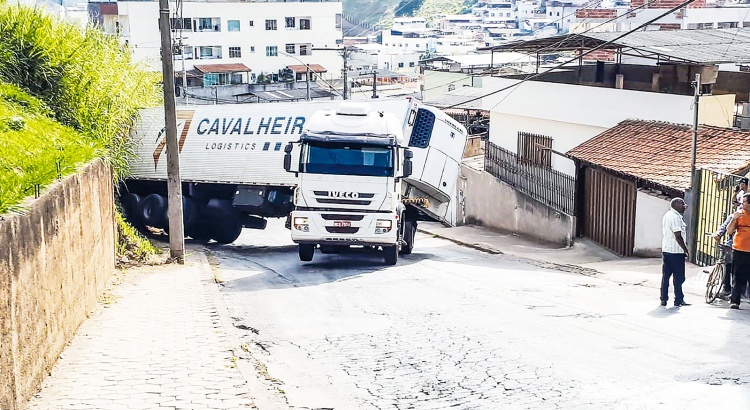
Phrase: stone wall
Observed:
(54, 261)
(487, 201)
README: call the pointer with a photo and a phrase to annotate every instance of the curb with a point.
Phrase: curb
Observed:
(259, 394)
(538, 263)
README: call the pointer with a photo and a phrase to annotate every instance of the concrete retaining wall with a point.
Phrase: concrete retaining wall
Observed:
(487, 201)
(54, 262)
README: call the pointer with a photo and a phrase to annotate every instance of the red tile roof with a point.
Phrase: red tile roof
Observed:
(222, 68)
(300, 68)
(660, 152)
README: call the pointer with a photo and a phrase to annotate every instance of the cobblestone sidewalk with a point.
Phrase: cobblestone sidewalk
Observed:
(160, 345)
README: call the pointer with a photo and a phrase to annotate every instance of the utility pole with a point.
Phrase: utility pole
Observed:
(307, 80)
(696, 99)
(174, 183)
(694, 178)
(375, 84)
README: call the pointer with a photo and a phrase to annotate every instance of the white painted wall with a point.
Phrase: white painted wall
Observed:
(572, 114)
(649, 210)
(139, 26)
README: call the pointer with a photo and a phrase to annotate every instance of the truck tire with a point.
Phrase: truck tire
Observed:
(390, 254)
(227, 231)
(199, 231)
(410, 232)
(153, 210)
(129, 203)
(306, 252)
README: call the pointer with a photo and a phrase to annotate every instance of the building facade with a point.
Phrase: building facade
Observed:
(266, 37)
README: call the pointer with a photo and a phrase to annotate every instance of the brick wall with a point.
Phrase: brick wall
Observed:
(54, 262)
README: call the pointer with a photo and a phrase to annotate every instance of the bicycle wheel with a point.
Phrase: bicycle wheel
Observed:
(714, 283)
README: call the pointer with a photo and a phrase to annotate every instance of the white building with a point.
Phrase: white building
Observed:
(686, 19)
(572, 114)
(266, 37)
(366, 57)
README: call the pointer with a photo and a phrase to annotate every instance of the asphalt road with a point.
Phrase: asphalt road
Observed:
(452, 327)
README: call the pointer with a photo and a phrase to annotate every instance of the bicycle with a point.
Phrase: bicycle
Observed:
(716, 278)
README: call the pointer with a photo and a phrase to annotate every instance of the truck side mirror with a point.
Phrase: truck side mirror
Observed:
(407, 167)
(288, 157)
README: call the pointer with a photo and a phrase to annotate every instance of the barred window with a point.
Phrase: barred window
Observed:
(531, 149)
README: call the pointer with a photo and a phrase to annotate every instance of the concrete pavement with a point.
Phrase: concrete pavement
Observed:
(584, 257)
(166, 341)
(161, 344)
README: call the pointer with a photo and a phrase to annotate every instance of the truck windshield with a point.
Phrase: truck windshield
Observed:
(347, 159)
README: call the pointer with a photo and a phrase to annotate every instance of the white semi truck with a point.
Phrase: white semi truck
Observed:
(232, 164)
(362, 183)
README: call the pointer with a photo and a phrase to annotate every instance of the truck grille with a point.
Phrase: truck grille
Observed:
(343, 201)
(340, 217)
(342, 229)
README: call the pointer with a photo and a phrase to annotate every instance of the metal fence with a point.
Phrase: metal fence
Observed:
(716, 192)
(543, 184)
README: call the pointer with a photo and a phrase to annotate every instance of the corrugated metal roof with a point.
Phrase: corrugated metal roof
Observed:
(699, 46)
(717, 46)
(456, 98)
(660, 152)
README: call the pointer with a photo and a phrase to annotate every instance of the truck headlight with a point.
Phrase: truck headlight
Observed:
(383, 225)
(300, 224)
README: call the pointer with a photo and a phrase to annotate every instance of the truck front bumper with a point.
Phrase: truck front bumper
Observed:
(344, 228)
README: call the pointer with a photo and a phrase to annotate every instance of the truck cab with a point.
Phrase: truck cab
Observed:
(350, 170)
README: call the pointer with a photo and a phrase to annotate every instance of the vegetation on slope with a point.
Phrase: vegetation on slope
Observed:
(67, 95)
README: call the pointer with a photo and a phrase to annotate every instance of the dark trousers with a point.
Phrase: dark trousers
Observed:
(673, 265)
(741, 266)
(728, 277)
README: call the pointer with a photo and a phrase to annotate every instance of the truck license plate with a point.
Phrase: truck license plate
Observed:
(342, 223)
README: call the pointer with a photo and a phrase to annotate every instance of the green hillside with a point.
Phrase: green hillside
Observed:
(383, 11)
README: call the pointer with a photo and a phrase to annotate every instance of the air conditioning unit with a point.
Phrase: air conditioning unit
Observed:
(742, 119)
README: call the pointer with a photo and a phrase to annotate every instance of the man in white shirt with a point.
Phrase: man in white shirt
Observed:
(674, 252)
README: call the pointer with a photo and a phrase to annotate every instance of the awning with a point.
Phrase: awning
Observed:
(301, 68)
(222, 68)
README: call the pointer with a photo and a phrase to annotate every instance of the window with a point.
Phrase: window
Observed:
(411, 64)
(233, 25)
(236, 78)
(210, 79)
(350, 159)
(181, 24)
(304, 24)
(290, 48)
(290, 23)
(251, 23)
(209, 52)
(400, 65)
(339, 19)
(207, 24)
(235, 52)
(252, 49)
(270, 24)
(531, 149)
(305, 50)
(271, 51)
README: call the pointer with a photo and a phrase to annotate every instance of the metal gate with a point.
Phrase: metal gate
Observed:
(609, 211)
(716, 192)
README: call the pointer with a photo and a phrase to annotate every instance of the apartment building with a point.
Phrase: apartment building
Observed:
(234, 42)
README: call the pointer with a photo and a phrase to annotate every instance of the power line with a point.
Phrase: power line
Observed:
(627, 33)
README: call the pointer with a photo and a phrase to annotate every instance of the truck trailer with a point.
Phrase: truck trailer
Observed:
(232, 165)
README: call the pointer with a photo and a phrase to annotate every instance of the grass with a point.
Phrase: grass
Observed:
(68, 95)
(34, 148)
(82, 78)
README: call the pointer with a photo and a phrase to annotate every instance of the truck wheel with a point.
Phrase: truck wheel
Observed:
(227, 231)
(306, 252)
(129, 204)
(153, 210)
(390, 254)
(199, 231)
(410, 231)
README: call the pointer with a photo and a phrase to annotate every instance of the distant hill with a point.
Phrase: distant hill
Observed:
(383, 11)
